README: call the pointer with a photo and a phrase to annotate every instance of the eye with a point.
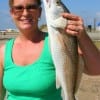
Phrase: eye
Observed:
(34, 6)
(58, 3)
(18, 7)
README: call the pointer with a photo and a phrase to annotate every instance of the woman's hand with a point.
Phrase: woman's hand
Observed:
(75, 25)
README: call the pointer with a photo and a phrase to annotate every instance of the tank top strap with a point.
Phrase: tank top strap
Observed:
(8, 53)
(46, 41)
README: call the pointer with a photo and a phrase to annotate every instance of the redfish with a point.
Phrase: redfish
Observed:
(63, 48)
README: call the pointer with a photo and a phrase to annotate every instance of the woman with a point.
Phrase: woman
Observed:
(24, 70)
(27, 75)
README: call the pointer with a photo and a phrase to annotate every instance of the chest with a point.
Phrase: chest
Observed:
(27, 53)
(26, 80)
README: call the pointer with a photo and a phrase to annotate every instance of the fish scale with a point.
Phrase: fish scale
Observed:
(63, 48)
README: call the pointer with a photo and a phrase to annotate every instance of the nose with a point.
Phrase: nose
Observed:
(25, 12)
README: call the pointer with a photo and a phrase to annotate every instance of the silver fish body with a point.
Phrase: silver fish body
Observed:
(63, 48)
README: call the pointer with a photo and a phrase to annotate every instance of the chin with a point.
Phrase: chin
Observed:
(26, 27)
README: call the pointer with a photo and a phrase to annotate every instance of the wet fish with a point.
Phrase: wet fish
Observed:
(63, 48)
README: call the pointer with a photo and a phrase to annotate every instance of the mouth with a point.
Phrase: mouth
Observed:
(25, 21)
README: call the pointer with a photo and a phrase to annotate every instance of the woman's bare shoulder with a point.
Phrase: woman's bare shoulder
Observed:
(2, 48)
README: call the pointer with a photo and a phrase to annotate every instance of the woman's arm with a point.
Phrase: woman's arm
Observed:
(91, 54)
(2, 90)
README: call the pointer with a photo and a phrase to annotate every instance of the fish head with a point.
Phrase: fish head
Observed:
(53, 11)
(53, 8)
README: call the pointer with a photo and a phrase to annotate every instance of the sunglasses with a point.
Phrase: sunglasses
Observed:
(18, 10)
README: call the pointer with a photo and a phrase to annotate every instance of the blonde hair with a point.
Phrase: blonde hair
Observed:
(11, 3)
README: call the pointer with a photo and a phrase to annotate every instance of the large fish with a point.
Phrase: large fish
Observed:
(63, 48)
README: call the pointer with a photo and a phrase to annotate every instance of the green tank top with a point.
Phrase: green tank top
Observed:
(35, 81)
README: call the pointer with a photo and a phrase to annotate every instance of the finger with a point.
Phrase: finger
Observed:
(71, 32)
(70, 16)
(72, 28)
(76, 23)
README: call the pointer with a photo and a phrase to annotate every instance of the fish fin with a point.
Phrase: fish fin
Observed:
(58, 85)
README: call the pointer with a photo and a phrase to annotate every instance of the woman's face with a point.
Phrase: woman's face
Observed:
(25, 13)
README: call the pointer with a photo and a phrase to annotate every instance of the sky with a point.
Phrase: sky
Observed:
(89, 10)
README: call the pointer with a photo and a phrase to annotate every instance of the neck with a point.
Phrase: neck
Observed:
(33, 35)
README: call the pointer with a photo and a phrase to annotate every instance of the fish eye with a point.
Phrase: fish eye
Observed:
(58, 3)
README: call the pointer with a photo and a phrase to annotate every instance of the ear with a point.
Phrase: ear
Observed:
(11, 12)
